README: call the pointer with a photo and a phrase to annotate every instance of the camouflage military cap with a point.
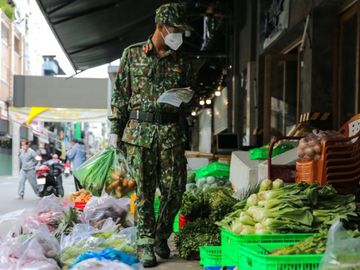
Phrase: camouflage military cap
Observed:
(172, 14)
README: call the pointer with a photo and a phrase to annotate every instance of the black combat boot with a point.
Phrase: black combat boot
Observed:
(146, 255)
(162, 249)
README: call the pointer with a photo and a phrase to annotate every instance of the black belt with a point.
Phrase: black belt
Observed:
(157, 117)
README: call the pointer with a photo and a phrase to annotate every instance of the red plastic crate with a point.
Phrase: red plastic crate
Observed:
(80, 205)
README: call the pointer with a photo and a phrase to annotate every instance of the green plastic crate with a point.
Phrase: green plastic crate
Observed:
(218, 169)
(210, 256)
(254, 257)
(262, 153)
(231, 242)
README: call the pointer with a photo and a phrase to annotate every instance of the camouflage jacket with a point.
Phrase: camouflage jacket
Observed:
(141, 79)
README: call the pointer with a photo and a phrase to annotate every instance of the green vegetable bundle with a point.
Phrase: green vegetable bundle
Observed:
(200, 232)
(195, 205)
(289, 209)
(313, 245)
(332, 206)
(212, 203)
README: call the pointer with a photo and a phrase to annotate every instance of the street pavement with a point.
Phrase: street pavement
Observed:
(8, 192)
(8, 203)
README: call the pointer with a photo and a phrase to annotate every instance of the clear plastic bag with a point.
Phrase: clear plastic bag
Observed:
(79, 233)
(93, 173)
(49, 211)
(107, 254)
(342, 251)
(52, 203)
(37, 250)
(12, 223)
(101, 265)
(85, 237)
(99, 209)
(120, 181)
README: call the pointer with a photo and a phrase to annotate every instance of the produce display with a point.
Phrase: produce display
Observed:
(204, 207)
(212, 203)
(207, 182)
(81, 196)
(54, 235)
(57, 236)
(298, 208)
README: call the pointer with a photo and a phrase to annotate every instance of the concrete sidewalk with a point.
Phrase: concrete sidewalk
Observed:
(8, 203)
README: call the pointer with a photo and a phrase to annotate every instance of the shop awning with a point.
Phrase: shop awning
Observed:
(21, 115)
(94, 32)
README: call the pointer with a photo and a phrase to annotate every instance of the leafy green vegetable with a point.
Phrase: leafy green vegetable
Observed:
(67, 222)
(313, 245)
(194, 204)
(200, 232)
(190, 177)
(278, 183)
(220, 202)
(266, 185)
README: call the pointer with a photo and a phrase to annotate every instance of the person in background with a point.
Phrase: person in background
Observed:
(28, 163)
(77, 156)
(45, 152)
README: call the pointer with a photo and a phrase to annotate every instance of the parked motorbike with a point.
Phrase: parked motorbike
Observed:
(49, 176)
(67, 169)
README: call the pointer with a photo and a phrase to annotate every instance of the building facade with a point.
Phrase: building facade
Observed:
(12, 63)
(290, 58)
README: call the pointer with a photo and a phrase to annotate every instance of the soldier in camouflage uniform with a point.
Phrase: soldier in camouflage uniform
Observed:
(150, 131)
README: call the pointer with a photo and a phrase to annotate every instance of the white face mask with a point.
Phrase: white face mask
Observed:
(173, 40)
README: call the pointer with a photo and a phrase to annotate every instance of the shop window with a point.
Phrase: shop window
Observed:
(349, 66)
(4, 34)
(17, 45)
(281, 98)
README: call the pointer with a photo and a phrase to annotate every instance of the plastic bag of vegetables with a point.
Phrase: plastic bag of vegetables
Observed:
(120, 181)
(36, 250)
(85, 237)
(106, 170)
(342, 250)
(93, 173)
(102, 265)
(109, 254)
(99, 209)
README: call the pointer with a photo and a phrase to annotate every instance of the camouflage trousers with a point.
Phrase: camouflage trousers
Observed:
(157, 167)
